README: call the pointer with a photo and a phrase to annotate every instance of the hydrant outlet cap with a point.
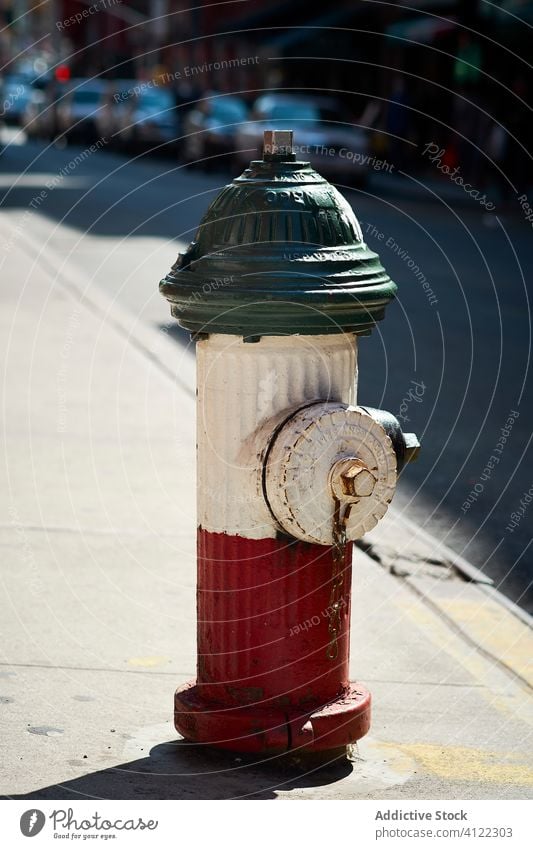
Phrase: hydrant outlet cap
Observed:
(279, 251)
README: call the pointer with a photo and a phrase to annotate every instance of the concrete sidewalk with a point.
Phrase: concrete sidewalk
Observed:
(98, 588)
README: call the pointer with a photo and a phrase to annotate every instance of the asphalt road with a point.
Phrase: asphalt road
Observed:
(455, 366)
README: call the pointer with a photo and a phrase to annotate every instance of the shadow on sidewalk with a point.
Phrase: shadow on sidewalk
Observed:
(106, 194)
(180, 770)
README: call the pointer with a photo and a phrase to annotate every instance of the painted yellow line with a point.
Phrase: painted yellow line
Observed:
(498, 689)
(496, 630)
(456, 763)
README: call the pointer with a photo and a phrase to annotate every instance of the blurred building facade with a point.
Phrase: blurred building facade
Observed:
(428, 69)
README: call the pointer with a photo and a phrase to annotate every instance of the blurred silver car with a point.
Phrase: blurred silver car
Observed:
(210, 129)
(39, 118)
(108, 115)
(322, 134)
(147, 118)
(77, 111)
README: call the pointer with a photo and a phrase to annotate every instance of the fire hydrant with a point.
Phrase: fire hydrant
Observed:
(276, 288)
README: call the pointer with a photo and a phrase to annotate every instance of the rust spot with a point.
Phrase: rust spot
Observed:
(308, 701)
(246, 695)
(186, 721)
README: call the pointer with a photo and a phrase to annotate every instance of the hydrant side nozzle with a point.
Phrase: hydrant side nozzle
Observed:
(406, 445)
(324, 453)
(412, 447)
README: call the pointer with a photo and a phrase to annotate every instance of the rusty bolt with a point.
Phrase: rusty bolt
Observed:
(351, 480)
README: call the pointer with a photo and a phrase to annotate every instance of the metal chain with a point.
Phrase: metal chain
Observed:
(337, 578)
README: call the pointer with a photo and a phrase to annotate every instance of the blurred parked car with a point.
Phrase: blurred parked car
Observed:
(147, 119)
(15, 92)
(321, 134)
(77, 111)
(210, 130)
(108, 118)
(39, 118)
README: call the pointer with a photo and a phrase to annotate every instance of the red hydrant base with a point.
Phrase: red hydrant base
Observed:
(268, 729)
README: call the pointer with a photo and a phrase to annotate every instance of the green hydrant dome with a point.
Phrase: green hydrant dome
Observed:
(279, 251)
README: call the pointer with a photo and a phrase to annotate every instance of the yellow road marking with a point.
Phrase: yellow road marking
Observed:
(496, 630)
(500, 691)
(460, 764)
